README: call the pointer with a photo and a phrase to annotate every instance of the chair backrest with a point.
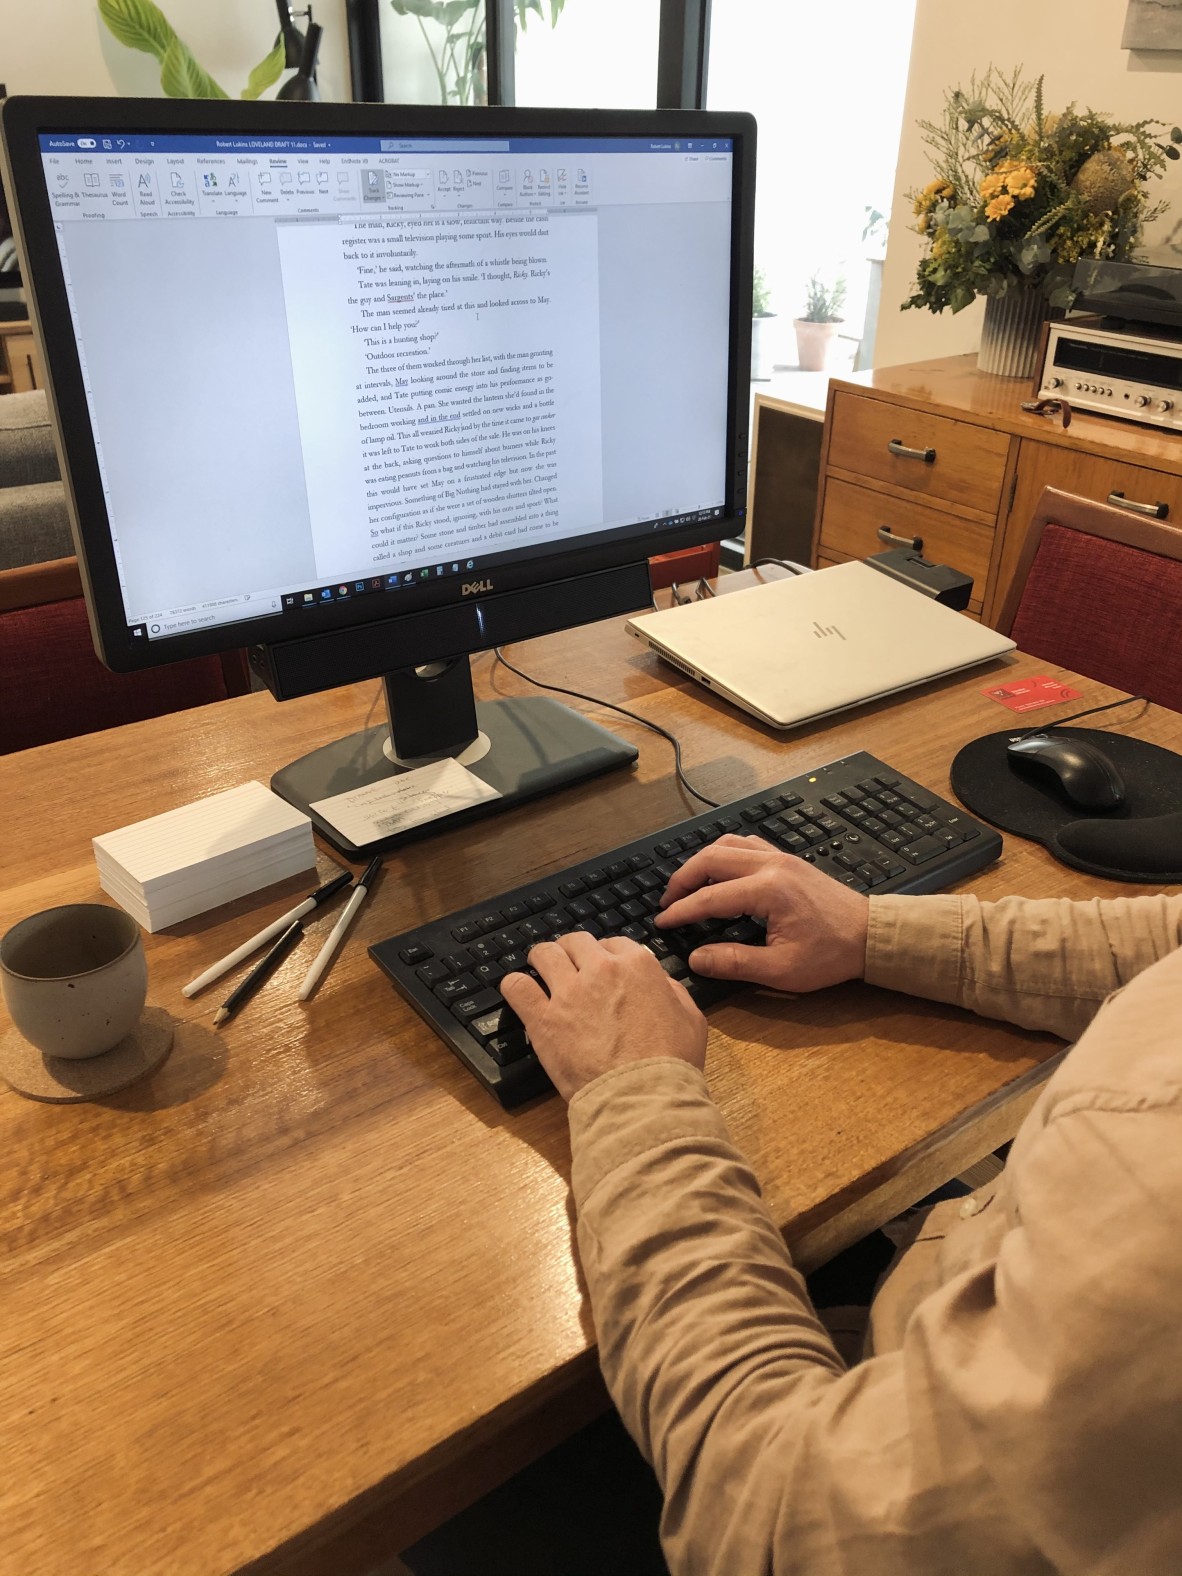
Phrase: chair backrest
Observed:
(1099, 590)
(52, 686)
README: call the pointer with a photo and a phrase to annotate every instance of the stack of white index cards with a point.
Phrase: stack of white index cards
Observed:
(187, 860)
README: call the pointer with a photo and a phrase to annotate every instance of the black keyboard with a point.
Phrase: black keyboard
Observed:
(855, 819)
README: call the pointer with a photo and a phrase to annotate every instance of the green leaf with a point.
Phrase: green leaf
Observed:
(268, 71)
(454, 11)
(428, 8)
(139, 24)
(182, 77)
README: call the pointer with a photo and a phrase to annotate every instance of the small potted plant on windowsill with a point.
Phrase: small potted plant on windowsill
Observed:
(761, 312)
(817, 328)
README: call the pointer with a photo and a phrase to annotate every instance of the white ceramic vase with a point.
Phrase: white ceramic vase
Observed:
(1010, 333)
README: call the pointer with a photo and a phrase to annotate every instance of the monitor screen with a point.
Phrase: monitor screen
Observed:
(348, 369)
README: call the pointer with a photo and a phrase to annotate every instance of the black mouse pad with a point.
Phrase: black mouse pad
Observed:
(985, 783)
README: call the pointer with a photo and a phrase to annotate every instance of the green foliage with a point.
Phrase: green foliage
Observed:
(1020, 195)
(459, 59)
(267, 72)
(823, 302)
(142, 25)
(761, 296)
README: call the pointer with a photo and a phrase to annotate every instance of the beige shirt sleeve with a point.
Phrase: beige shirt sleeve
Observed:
(772, 1458)
(1043, 964)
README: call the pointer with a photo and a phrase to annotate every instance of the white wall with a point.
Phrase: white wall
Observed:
(1076, 44)
(61, 46)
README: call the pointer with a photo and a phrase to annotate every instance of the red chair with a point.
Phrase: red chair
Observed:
(1099, 590)
(52, 686)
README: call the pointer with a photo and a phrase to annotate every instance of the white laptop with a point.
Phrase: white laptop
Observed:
(801, 648)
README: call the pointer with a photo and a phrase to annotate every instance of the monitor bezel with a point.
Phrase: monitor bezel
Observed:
(24, 120)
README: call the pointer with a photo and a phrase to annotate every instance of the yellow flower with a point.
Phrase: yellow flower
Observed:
(992, 186)
(999, 207)
(942, 245)
(1020, 181)
(934, 192)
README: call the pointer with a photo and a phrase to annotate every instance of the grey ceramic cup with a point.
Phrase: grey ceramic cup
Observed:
(74, 978)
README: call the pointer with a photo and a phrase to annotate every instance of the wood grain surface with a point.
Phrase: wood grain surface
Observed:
(307, 1290)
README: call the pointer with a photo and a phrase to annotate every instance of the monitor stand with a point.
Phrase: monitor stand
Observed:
(521, 747)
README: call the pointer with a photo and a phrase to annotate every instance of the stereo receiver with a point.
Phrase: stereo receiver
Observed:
(1136, 375)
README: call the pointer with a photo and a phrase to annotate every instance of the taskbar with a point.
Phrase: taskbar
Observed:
(229, 610)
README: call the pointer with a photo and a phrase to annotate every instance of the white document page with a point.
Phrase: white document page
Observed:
(447, 382)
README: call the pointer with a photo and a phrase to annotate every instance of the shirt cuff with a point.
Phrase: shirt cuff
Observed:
(916, 945)
(635, 1108)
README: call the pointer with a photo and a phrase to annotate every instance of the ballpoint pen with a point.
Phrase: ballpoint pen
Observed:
(259, 973)
(232, 959)
(336, 935)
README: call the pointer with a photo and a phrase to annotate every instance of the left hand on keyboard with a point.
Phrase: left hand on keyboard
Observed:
(610, 1002)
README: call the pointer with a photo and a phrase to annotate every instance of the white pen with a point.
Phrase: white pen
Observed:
(232, 959)
(337, 933)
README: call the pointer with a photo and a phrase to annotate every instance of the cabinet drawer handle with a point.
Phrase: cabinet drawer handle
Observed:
(899, 449)
(1156, 511)
(915, 543)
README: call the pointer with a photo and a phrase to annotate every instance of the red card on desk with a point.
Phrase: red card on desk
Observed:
(1030, 694)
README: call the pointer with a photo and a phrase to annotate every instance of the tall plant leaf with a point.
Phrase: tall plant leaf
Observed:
(268, 70)
(182, 77)
(139, 24)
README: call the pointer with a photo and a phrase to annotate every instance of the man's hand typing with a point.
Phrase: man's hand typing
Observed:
(610, 1002)
(816, 928)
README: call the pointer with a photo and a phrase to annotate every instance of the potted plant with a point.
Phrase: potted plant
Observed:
(760, 312)
(817, 327)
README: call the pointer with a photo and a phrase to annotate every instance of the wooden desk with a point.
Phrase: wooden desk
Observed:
(309, 1290)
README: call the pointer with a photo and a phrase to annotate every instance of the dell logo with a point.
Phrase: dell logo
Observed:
(475, 587)
(822, 630)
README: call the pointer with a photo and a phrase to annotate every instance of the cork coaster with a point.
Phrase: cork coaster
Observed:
(65, 1080)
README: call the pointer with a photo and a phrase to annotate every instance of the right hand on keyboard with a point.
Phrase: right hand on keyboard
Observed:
(816, 928)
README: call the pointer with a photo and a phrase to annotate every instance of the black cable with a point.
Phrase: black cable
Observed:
(593, 700)
(1063, 721)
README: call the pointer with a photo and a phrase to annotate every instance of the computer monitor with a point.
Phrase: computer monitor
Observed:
(367, 388)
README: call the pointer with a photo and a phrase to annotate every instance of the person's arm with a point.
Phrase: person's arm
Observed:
(1024, 1424)
(1043, 964)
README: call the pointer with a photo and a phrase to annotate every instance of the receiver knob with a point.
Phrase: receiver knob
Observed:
(1164, 405)
(1141, 401)
(1055, 383)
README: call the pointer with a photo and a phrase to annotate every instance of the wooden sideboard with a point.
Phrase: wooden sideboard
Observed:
(973, 498)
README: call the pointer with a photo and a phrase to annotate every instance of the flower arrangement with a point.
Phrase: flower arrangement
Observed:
(1020, 195)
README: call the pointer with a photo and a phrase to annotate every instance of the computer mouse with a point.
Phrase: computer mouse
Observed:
(1082, 772)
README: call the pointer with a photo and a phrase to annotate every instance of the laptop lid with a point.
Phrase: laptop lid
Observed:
(801, 648)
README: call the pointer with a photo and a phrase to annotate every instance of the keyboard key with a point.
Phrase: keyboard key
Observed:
(891, 839)
(468, 932)
(922, 850)
(626, 889)
(487, 974)
(639, 862)
(415, 953)
(635, 933)
(506, 1048)
(515, 912)
(617, 868)
(453, 990)
(457, 962)
(474, 1006)
(572, 888)
(432, 973)
(491, 921)
(595, 878)
(539, 902)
